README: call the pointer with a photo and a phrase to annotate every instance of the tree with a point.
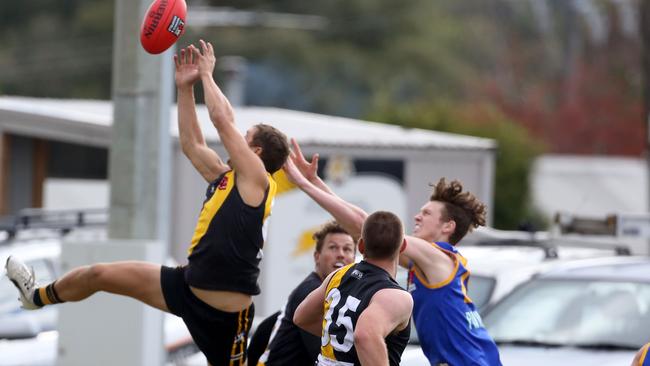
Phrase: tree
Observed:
(516, 151)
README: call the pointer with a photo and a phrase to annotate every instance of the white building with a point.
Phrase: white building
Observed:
(589, 185)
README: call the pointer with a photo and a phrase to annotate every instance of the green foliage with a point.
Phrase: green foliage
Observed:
(57, 49)
(543, 72)
(516, 150)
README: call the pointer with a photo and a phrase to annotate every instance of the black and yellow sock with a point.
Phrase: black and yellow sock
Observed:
(46, 295)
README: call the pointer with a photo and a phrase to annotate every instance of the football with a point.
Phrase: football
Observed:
(163, 24)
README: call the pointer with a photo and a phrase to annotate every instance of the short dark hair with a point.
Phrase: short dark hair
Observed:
(330, 227)
(463, 207)
(274, 144)
(382, 235)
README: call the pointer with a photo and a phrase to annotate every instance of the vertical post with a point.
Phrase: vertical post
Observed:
(140, 146)
(139, 175)
(4, 172)
(41, 148)
(645, 61)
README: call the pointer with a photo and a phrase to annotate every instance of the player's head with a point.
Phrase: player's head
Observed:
(449, 214)
(382, 236)
(272, 144)
(335, 248)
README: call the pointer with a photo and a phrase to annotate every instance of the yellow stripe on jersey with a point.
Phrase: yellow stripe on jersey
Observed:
(463, 287)
(644, 353)
(233, 352)
(273, 188)
(462, 259)
(464, 278)
(446, 281)
(335, 281)
(211, 208)
(284, 185)
(242, 346)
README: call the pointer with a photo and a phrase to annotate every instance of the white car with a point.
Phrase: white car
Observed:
(30, 337)
(589, 312)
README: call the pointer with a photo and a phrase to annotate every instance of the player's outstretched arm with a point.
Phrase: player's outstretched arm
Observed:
(310, 171)
(351, 220)
(641, 355)
(205, 160)
(389, 311)
(309, 314)
(437, 265)
(252, 178)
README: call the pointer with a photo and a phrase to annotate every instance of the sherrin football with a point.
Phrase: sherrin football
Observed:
(163, 24)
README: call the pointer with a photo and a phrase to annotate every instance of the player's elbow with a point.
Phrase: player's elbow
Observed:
(365, 338)
(299, 319)
(357, 223)
(187, 147)
(190, 145)
(220, 115)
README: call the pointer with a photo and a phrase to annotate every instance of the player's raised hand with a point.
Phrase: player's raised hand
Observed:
(293, 173)
(308, 169)
(187, 70)
(205, 58)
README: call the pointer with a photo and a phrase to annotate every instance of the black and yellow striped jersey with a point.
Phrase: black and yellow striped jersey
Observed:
(226, 248)
(348, 294)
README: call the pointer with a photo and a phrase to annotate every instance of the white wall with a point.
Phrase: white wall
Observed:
(61, 194)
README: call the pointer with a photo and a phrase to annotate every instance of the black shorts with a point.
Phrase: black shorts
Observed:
(221, 336)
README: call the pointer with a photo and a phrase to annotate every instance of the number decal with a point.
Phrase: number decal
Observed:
(334, 296)
(351, 304)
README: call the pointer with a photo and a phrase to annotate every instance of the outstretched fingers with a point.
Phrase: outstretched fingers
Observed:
(296, 147)
(300, 157)
(308, 169)
(190, 56)
(314, 160)
(206, 47)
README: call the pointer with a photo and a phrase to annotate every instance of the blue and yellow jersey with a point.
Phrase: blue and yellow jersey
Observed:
(348, 294)
(226, 247)
(644, 360)
(449, 327)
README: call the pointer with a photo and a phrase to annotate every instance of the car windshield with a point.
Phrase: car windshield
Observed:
(480, 290)
(578, 313)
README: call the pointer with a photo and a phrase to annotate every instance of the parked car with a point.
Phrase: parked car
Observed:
(30, 337)
(497, 267)
(590, 312)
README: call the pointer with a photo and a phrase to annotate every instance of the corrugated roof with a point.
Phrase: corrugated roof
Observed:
(309, 128)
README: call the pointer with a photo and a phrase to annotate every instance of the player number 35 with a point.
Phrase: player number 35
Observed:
(351, 304)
